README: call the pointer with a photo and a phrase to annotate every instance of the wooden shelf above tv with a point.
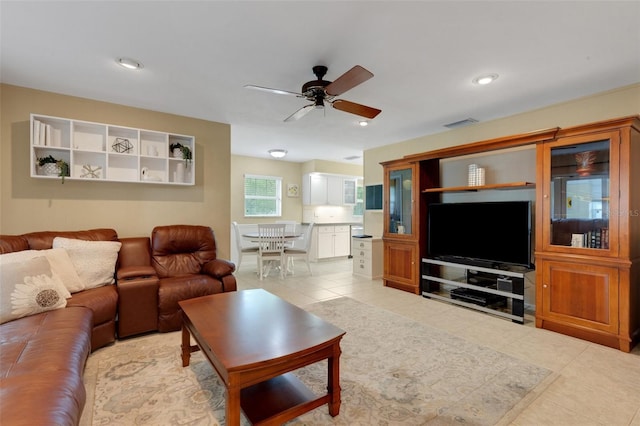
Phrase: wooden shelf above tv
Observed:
(509, 185)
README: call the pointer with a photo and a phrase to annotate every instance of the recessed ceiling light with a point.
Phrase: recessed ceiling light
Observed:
(485, 79)
(363, 123)
(130, 64)
(277, 153)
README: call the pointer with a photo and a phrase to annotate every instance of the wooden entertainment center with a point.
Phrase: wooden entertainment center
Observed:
(587, 224)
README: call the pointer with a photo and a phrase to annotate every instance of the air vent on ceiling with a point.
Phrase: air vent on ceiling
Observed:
(353, 157)
(461, 123)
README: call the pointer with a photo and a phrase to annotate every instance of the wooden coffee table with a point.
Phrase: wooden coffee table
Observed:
(254, 340)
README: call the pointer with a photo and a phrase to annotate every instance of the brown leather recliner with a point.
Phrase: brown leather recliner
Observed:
(184, 258)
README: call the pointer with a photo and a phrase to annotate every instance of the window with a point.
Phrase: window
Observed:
(358, 209)
(262, 195)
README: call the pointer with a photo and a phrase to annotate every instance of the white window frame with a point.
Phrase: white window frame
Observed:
(277, 197)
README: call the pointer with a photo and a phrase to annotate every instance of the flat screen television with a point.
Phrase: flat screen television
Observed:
(489, 234)
(373, 197)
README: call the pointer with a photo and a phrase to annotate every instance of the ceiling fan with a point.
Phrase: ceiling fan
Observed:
(320, 91)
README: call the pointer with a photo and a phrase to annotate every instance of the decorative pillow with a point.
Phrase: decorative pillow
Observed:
(94, 261)
(28, 288)
(60, 262)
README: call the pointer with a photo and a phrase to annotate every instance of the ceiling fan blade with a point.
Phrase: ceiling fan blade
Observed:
(357, 109)
(300, 113)
(348, 80)
(268, 89)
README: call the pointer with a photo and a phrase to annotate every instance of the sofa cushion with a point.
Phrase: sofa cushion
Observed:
(29, 287)
(60, 262)
(94, 261)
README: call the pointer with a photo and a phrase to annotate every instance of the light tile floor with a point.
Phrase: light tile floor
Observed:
(591, 384)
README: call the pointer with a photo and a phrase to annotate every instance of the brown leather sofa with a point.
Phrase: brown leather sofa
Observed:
(42, 356)
(101, 300)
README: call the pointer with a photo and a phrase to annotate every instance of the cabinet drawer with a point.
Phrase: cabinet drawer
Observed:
(359, 244)
(326, 229)
(362, 254)
(362, 265)
(342, 228)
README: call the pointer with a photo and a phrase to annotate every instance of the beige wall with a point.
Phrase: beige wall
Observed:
(132, 209)
(620, 102)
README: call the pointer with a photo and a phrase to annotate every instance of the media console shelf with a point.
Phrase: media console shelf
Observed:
(485, 289)
(509, 185)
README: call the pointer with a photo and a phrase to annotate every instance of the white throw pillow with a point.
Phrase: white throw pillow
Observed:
(61, 265)
(28, 288)
(94, 261)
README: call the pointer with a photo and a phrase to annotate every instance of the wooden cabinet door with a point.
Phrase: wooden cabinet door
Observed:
(400, 264)
(579, 294)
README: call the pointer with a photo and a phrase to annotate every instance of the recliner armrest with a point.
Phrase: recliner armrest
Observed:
(218, 268)
(138, 271)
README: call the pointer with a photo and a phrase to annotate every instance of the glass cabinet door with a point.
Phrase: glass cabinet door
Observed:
(400, 197)
(579, 192)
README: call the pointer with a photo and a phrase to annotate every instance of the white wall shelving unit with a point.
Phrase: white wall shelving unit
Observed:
(105, 152)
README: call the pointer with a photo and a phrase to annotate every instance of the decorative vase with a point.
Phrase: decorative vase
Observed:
(180, 172)
(49, 169)
(177, 153)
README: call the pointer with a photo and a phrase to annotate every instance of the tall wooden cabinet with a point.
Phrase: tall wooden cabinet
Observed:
(588, 233)
(401, 231)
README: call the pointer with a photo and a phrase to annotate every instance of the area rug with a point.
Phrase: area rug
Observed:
(394, 371)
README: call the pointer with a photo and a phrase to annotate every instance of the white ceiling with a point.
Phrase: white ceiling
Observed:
(197, 57)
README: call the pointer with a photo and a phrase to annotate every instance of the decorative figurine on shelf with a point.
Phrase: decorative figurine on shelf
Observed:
(177, 149)
(122, 145)
(585, 162)
(89, 171)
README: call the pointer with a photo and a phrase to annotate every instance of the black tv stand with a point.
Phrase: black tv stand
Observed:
(490, 290)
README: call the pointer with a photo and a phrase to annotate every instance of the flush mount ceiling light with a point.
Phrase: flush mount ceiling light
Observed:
(277, 153)
(363, 123)
(485, 79)
(130, 64)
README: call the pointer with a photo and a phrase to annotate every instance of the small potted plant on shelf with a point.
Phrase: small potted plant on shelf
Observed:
(178, 150)
(50, 166)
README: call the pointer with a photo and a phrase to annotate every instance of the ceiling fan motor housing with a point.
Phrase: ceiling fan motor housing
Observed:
(315, 88)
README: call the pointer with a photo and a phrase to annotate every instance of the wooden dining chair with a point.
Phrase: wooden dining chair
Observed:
(271, 248)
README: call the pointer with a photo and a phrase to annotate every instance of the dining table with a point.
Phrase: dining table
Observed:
(254, 237)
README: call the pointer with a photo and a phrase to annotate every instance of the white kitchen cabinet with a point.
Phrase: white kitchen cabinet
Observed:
(105, 152)
(349, 191)
(367, 257)
(331, 241)
(320, 189)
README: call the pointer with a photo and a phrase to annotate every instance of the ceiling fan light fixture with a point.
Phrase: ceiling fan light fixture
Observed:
(277, 153)
(363, 123)
(130, 64)
(485, 79)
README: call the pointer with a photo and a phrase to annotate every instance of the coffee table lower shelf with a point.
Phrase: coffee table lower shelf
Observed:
(278, 400)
